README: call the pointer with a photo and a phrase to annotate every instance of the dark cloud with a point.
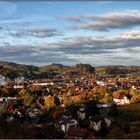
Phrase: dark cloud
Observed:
(32, 55)
(105, 22)
(98, 44)
(99, 50)
(37, 32)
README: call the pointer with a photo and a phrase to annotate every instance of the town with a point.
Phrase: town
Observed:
(91, 106)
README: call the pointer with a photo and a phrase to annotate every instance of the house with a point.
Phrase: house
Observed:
(10, 99)
(65, 122)
(77, 133)
(82, 113)
(105, 105)
(99, 122)
(95, 124)
(101, 83)
(9, 119)
(1, 99)
(34, 113)
(122, 101)
(42, 84)
(2, 104)
(18, 86)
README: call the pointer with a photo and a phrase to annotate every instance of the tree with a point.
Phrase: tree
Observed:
(114, 110)
(56, 101)
(107, 98)
(58, 112)
(135, 96)
(91, 108)
(4, 91)
(71, 110)
(71, 90)
(49, 102)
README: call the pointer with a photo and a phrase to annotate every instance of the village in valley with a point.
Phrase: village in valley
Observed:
(89, 106)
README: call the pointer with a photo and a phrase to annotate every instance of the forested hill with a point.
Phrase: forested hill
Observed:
(12, 70)
(118, 69)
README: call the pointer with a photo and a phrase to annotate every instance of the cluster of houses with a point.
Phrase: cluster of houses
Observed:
(60, 84)
(81, 126)
(85, 125)
(87, 83)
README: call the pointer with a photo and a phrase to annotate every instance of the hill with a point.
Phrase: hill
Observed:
(79, 69)
(12, 70)
(118, 69)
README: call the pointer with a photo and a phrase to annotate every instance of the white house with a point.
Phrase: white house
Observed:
(122, 101)
(1, 99)
(108, 122)
(105, 105)
(10, 98)
(101, 83)
(82, 113)
(2, 104)
(65, 122)
(10, 119)
(18, 86)
(96, 123)
(42, 84)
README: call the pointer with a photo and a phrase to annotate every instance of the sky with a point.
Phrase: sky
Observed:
(94, 32)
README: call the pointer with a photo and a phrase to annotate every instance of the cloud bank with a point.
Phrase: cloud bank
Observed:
(108, 21)
(97, 50)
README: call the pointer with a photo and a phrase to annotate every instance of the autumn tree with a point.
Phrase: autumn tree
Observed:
(4, 91)
(119, 94)
(107, 98)
(71, 110)
(71, 90)
(56, 101)
(49, 102)
(58, 112)
(93, 94)
(135, 96)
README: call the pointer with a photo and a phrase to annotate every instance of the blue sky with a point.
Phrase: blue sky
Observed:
(98, 33)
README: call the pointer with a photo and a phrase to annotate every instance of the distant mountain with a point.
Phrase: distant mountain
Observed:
(13, 70)
(79, 69)
(118, 69)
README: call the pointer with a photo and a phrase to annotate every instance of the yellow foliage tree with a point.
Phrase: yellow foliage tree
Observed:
(135, 96)
(76, 99)
(49, 102)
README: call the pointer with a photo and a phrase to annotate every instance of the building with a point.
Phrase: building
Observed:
(82, 113)
(65, 122)
(122, 101)
(99, 122)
